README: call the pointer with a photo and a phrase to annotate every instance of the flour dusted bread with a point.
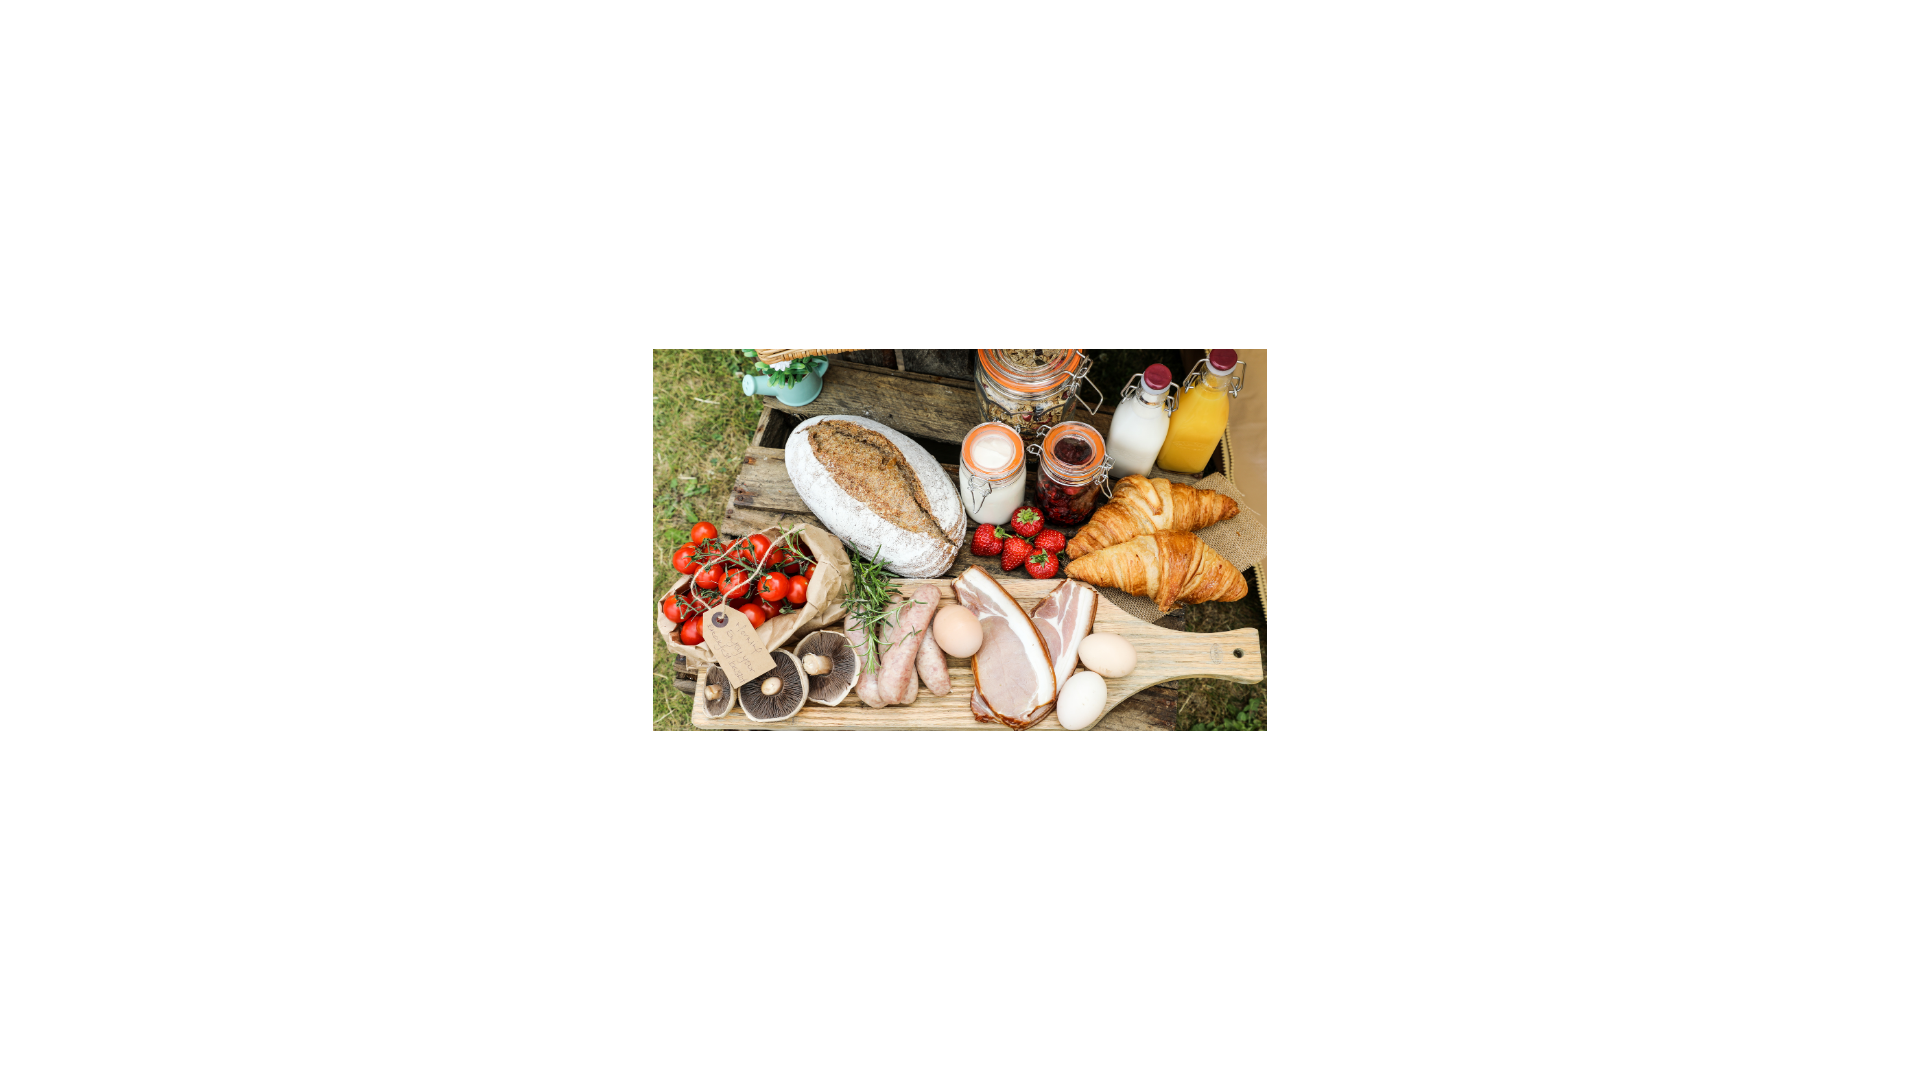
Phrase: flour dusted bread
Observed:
(1168, 568)
(1140, 506)
(877, 490)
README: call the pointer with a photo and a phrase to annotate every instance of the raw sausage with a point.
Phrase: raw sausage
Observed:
(932, 665)
(868, 687)
(912, 622)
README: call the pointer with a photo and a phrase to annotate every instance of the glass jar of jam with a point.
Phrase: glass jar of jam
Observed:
(1030, 389)
(1073, 470)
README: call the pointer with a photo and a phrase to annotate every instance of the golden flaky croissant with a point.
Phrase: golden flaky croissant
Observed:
(1170, 568)
(1140, 506)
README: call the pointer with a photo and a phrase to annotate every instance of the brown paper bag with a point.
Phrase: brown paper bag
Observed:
(825, 591)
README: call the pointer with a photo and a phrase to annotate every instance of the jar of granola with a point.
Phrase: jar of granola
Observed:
(1073, 472)
(1030, 389)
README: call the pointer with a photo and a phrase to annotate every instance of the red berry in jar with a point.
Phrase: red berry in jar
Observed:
(1072, 462)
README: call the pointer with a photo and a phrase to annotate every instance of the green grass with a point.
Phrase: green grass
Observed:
(701, 426)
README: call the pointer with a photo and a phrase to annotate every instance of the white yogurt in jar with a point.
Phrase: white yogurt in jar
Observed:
(993, 473)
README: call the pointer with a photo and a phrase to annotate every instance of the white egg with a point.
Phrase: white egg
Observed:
(956, 630)
(1081, 701)
(1109, 654)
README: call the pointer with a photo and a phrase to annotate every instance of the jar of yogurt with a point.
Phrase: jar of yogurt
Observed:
(993, 473)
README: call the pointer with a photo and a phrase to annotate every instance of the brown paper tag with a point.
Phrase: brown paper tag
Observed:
(736, 645)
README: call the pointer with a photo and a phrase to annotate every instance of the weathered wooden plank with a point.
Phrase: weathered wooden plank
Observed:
(952, 363)
(760, 429)
(742, 520)
(923, 406)
(1164, 656)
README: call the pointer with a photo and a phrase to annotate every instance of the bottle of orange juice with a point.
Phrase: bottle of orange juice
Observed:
(1201, 417)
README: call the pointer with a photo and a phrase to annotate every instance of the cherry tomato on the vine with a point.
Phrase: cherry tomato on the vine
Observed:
(737, 583)
(691, 633)
(797, 591)
(755, 614)
(683, 560)
(704, 530)
(672, 609)
(759, 545)
(708, 577)
(773, 587)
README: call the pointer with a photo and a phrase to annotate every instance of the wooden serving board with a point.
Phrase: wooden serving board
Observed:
(1164, 655)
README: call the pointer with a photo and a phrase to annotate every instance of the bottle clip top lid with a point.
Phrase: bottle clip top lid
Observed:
(1219, 364)
(1152, 387)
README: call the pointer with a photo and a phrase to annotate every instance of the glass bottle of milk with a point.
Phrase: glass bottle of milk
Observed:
(993, 473)
(1140, 423)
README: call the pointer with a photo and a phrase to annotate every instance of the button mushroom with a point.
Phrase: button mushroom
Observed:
(778, 694)
(831, 664)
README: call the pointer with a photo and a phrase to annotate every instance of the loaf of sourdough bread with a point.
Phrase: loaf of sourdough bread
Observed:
(878, 491)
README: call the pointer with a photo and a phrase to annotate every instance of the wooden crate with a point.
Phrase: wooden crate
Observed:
(937, 411)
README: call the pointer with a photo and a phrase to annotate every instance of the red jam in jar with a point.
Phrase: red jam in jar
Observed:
(1072, 463)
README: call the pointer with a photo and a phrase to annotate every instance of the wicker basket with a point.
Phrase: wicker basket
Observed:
(775, 356)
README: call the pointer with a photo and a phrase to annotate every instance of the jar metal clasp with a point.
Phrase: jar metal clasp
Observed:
(1080, 380)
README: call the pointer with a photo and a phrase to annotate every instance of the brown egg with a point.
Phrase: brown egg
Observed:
(956, 631)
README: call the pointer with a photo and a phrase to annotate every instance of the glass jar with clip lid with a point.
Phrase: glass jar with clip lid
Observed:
(1073, 471)
(1031, 389)
(993, 473)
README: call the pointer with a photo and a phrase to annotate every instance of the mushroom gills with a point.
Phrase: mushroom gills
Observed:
(716, 699)
(831, 664)
(780, 694)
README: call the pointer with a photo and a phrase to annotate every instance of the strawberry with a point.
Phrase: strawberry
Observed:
(1043, 563)
(1014, 554)
(1028, 521)
(988, 539)
(1051, 540)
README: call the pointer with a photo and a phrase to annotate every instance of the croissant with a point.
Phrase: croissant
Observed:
(1171, 568)
(1140, 506)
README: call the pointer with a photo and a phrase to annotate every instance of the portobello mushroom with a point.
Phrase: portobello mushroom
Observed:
(830, 664)
(779, 693)
(713, 695)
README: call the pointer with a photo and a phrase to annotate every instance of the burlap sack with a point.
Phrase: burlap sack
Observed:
(1241, 540)
(825, 591)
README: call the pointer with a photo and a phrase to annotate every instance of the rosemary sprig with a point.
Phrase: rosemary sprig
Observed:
(871, 600)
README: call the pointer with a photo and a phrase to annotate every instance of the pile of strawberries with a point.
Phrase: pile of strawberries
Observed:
(1024, 541)
(757, 576)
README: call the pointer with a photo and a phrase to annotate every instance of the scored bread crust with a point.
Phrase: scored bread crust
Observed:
(866, 528)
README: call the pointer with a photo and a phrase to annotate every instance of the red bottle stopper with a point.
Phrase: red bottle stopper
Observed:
(1223, 361)
(1157, 378)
